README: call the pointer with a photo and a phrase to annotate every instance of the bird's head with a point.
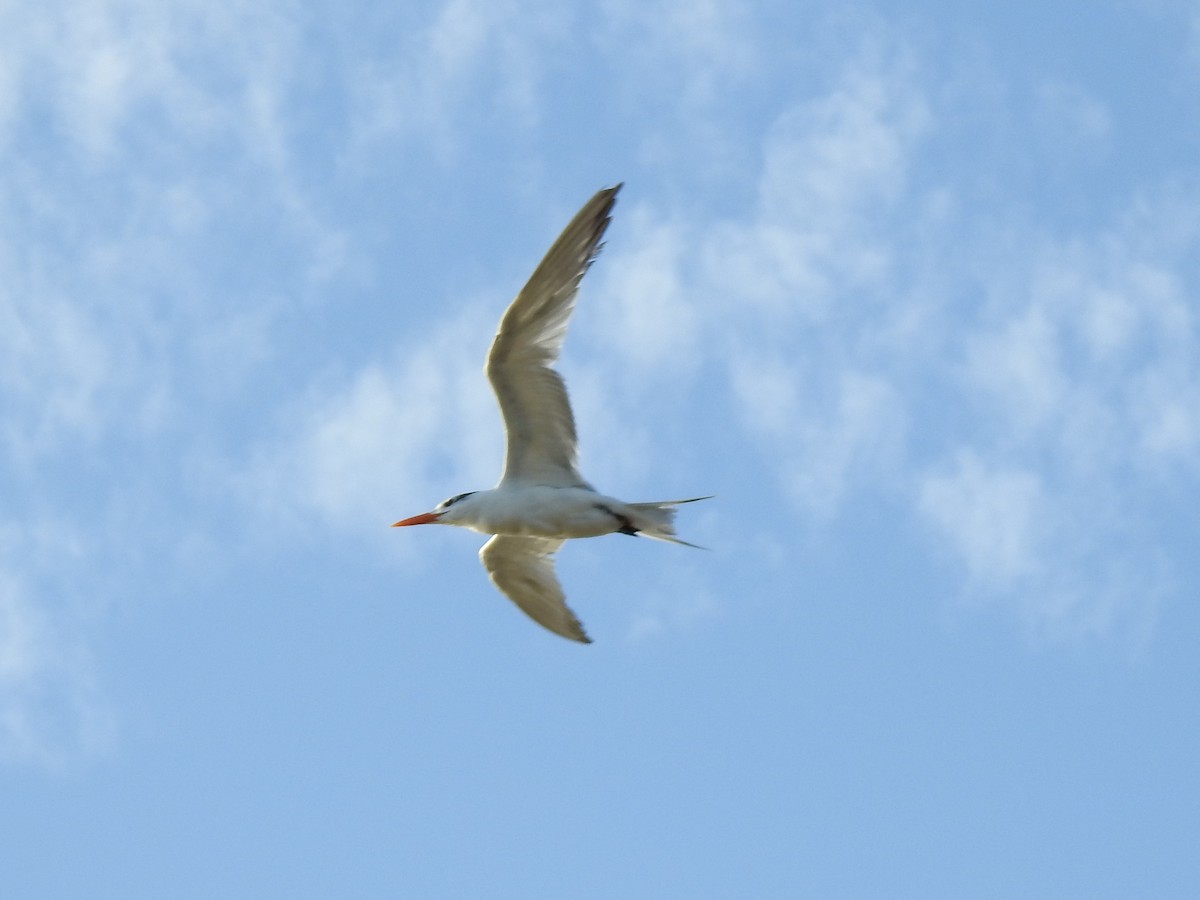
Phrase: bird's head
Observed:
(448, 512)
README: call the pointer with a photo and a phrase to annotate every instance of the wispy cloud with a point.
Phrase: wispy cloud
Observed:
(995, 519)
(1080, 376)
(51, 711)
(1025, 389)
(1069, 565)
(658, 334)
(121, 338)
(699, 50)
(778, 297)
(468, 60)
(363, 449)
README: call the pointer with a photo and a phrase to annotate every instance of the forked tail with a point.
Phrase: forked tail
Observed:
(657, 520)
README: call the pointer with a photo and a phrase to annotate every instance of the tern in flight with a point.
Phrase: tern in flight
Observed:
(541, 499)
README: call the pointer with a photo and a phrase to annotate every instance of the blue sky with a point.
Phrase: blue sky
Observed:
(914, 289)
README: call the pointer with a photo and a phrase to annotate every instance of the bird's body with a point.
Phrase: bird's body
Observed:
(541, 499)
(539, 510)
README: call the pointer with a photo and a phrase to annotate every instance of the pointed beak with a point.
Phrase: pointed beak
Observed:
(423, 519)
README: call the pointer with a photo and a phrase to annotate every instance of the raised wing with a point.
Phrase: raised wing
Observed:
(542, 446)
(523, 568)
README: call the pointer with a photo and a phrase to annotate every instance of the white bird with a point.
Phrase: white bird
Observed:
(541, 499)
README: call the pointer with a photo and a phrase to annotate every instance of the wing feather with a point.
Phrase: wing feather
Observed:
(542, 444)
(523, 568)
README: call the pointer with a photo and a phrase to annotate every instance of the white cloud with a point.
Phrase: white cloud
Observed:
(1081, 375)
(825, 431)
(120, 208)
(1089, 350)
(616, 435)
(832, 169)
(473, 55)
(642, 309)
(831, 157)
(103, 276)
(51, 712)
(47, 712)
(783, 292)
(392, 438)
(994, 518)
(1163, 405)
(1070, 560)
(1017, 364)
(697, 48)
(53, 365)
(94, 64)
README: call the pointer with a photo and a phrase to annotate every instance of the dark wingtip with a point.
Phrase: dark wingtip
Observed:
(612, 192)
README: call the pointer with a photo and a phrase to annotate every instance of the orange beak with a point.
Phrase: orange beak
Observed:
(423, 519)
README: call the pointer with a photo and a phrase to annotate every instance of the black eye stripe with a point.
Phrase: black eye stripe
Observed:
(455, 499)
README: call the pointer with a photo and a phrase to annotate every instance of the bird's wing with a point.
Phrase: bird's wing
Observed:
(542, 446)
(523, 568)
